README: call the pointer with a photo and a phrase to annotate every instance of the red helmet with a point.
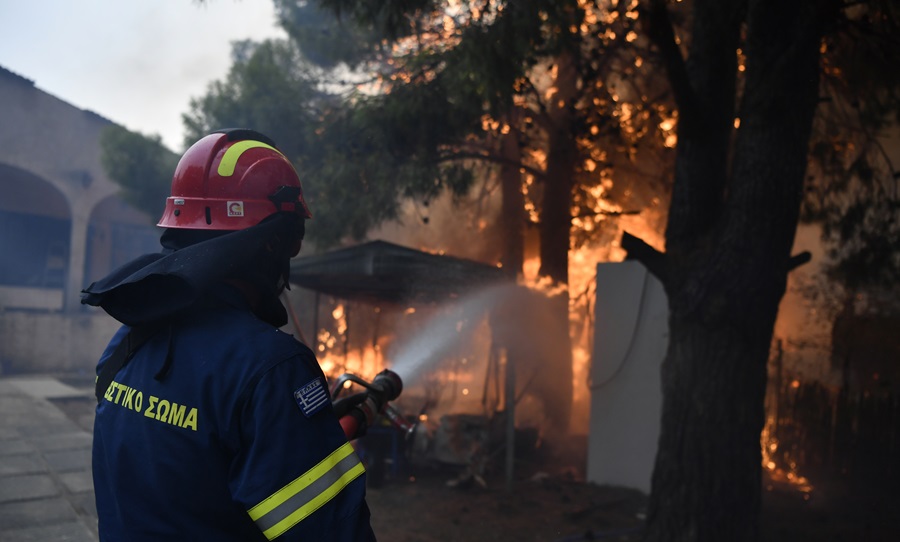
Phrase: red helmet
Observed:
(231, 180)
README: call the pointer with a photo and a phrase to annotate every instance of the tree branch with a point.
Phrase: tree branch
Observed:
(658, 27)
(541, 116)
(654, 260)
(452, 155)
(797, 260)
(607, 213)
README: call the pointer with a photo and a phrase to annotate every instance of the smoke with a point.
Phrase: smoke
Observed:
(442, 334)
(464, 349)
(803, 326)
(462, 227)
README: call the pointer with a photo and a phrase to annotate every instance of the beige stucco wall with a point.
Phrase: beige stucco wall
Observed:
(35, 342)
(59, 143)
(55, 143)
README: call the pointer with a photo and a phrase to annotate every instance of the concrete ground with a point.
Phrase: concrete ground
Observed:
(46, 490)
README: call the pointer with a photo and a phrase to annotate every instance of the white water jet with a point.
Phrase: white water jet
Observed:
(442, 333)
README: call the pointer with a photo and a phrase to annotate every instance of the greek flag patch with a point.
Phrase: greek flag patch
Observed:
(311, 397)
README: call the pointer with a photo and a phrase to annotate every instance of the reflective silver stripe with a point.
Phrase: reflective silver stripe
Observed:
(299, 499)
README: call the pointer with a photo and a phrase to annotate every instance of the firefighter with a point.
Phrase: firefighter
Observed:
(212, 424)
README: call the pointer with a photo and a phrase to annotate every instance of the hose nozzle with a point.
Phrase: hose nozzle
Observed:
(357, 412)
(388, 384)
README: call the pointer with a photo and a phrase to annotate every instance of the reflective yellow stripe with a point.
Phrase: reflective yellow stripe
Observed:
(226, 166)
(300, 498)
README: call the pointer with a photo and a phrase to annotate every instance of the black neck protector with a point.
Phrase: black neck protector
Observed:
(193, 263)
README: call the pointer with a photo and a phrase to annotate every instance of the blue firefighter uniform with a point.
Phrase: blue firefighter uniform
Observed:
(220, 428)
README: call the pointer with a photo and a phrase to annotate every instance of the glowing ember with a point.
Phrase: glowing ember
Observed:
(778, 474)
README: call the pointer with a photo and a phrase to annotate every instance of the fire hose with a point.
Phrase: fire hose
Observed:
(357, 412)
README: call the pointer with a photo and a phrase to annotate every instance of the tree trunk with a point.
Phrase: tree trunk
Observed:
(725, 275)
(555, 238)
(562, 157)
(706, 484)
(512, 206)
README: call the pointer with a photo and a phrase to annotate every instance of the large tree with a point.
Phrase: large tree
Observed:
(732, 219)
(747, 82)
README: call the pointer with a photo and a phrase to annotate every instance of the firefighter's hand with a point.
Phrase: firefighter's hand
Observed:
(376, 400)
(344, 405)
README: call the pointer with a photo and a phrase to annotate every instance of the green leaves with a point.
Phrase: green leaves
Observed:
(141, 165)
(269, 89)
(372, 156)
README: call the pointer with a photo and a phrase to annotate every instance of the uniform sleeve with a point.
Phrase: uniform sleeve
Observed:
(295, 473)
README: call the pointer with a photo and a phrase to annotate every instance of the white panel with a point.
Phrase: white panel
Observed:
(630, 339)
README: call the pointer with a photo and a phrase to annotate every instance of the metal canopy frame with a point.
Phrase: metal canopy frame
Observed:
(381, 272)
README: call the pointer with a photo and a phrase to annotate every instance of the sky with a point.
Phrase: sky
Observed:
(137, 63)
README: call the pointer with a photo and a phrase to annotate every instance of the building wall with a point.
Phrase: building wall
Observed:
(58, 143)
(60, 213)
(46, 342)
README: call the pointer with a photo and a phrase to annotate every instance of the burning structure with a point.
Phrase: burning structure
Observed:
(470, 344)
